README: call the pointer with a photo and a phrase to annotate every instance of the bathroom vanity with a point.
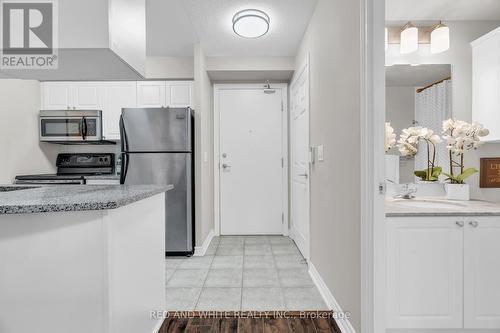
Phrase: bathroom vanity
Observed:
(442, 264)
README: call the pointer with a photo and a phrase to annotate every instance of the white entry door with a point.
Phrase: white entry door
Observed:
(300, 159)
(250, 157)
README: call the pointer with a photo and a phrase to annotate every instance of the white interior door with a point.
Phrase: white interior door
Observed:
(251, 169)
(300, 160)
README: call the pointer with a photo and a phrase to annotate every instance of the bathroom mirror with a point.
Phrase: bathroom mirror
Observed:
(416, 95)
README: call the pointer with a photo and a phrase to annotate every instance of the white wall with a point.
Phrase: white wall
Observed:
(169, 67)
(460, 57)
(400, 112)
(203, 105)
(332, 41)
(22, 153)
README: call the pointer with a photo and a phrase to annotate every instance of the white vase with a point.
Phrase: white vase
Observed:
(430, 189)
(457, 192)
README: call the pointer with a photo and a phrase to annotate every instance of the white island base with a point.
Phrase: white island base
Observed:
(83, 271)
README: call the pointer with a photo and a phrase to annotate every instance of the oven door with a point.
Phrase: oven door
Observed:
(70, 128)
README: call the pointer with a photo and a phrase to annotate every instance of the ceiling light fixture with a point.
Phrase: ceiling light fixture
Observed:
(409, 39)
(440, 38)
(251, 23)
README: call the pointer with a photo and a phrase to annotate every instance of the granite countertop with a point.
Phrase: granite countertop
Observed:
(437, 206)
(64, 198)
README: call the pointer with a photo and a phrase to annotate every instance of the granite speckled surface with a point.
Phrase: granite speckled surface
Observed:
(65, 198)
(436, 206)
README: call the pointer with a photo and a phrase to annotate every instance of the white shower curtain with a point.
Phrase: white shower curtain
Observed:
(432, 106)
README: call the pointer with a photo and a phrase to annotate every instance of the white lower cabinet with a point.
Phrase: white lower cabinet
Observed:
(443, 272)
(482, 272)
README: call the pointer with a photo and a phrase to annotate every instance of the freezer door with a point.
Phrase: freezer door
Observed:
(167, 168)
(156, 129)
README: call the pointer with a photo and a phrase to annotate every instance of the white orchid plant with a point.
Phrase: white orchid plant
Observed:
(390, 137)
(408, 146)
(461, 136)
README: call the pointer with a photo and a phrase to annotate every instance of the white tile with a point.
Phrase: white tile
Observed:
(229, 250)
(262, 299)
(196, 262)
(258, 262)
(188, 278)
(285, 249)
(219, 299)
(256, 240)
(173, 263)
(257, 249)
(294, 277)
(280, 240)
(303, 299)
(260, 277)
(227, 262)
(182, 299)
(169, 273)
(290, 261)
(227, 277)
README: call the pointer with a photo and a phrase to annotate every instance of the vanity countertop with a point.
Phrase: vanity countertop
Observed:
(437, 206)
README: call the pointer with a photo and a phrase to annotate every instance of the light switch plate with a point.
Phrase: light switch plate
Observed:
(320, 153)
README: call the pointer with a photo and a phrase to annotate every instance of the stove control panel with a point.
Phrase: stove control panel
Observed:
(92, 163)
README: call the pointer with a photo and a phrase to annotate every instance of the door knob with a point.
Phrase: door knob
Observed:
(305, 175)
(460, 223)
(473, 224)
(225, 166)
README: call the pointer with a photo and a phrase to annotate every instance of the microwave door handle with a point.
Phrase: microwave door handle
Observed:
(84, 127)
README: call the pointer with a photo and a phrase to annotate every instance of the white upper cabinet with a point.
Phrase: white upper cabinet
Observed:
(117, 95)
(425, 273)
(151, 94)
(482, 273)
(179, 93)
(486, 83)
(164, 94)
(87, 96)
(56, 96)
(71, 95)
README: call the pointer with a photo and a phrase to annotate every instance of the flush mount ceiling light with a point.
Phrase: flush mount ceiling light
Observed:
(440, 38)
(409, 39)
(251, 23)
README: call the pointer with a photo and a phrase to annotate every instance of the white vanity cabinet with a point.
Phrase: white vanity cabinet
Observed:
(443, 272)
(482, 272)
(425, 272)
(486, 82)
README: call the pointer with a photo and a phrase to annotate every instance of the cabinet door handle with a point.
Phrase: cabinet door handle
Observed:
(474, 224)
(460, 223)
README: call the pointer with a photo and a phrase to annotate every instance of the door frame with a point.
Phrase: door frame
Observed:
(372, 119)
(304, 68)
(284, 147)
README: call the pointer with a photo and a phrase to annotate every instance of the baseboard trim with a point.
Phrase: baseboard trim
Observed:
(344, 324)
(200, 251)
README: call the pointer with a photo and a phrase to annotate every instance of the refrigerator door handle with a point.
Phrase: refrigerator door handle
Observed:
(124, 168)
(123, 135)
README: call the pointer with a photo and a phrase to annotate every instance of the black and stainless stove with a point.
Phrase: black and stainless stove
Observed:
(73, 169)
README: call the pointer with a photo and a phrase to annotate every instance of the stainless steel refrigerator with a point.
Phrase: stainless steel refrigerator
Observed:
(157, 148)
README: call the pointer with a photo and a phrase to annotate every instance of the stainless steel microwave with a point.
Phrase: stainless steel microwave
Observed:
(71, 126)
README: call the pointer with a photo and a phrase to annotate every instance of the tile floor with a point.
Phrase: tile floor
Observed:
(247, 273)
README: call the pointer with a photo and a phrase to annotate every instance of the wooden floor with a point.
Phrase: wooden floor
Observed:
(249, 325)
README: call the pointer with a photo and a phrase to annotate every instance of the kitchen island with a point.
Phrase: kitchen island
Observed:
(82, 258)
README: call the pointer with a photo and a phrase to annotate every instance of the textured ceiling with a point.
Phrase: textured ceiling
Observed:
(173, 26)
(397, 10)
(415, 76)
